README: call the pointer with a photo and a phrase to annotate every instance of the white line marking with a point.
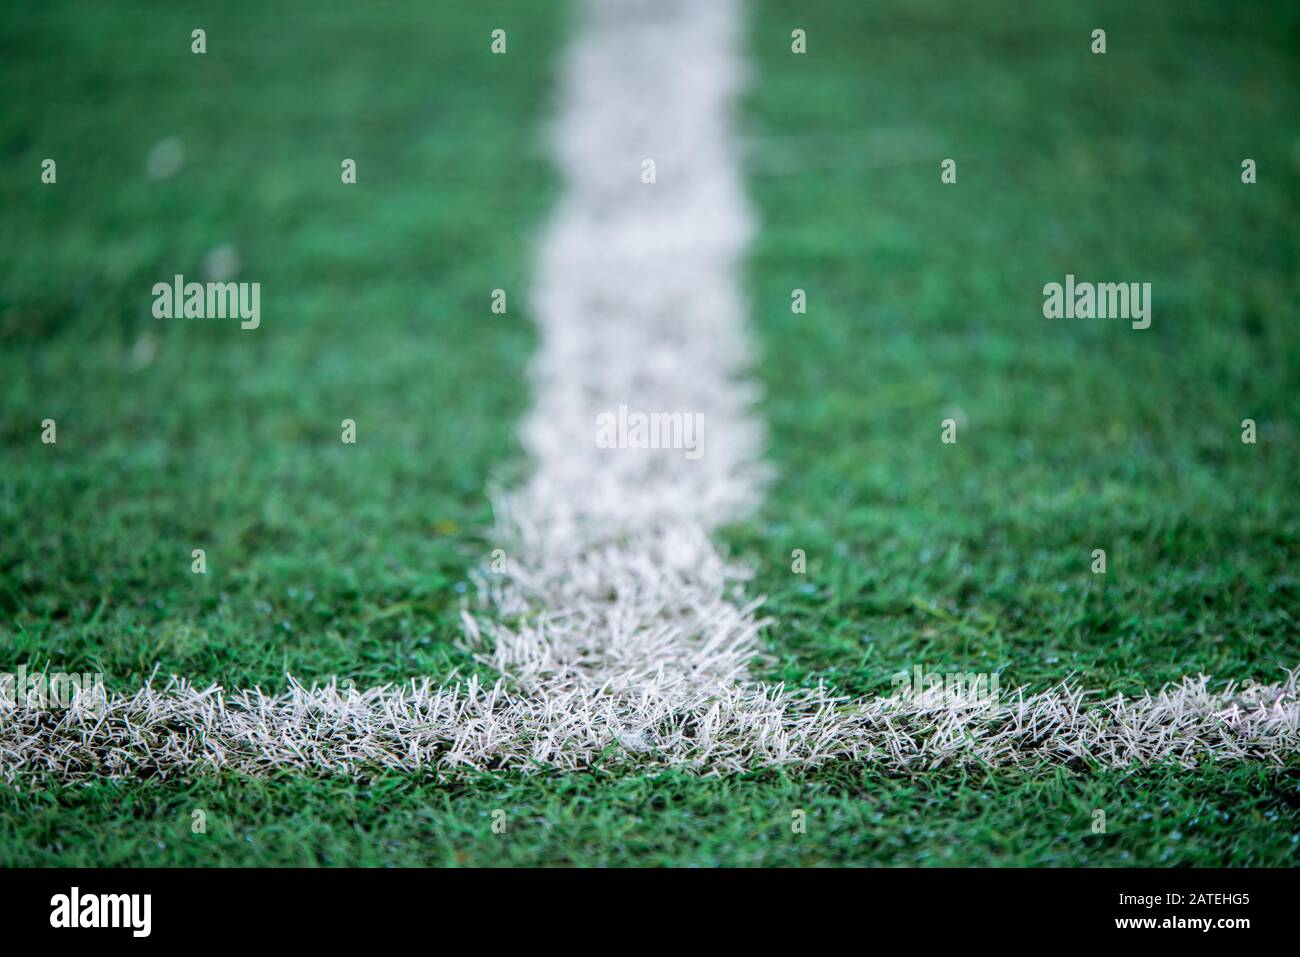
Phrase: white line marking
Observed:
(179, 730)
(638, 302)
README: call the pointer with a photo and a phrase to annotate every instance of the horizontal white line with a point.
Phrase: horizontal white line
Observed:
(179, 730)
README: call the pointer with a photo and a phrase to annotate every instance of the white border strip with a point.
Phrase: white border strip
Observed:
(180, 730)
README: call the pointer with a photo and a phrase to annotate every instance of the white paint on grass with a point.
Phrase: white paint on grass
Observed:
(620, 631)
(178, 729)
(614, 585)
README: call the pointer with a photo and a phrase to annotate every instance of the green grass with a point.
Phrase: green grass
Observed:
(1239, 816)
(322, 557)
(924, 302)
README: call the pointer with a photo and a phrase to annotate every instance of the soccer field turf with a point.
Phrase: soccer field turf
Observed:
(924, 303)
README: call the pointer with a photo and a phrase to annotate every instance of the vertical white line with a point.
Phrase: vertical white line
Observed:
(637, 289)
(638, 302)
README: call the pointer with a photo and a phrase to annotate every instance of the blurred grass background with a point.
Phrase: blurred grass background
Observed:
(173, 435)
(924, 302)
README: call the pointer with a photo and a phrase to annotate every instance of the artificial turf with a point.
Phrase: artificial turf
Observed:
(924, 303)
